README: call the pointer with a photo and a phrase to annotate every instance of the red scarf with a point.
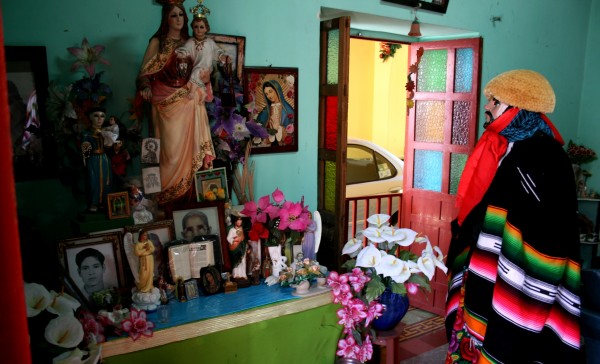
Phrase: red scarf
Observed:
(483, 162)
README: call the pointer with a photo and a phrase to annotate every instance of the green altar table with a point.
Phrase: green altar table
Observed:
(300, 330)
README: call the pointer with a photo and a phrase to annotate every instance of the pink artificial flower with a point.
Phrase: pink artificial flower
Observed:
(291, 216)
(358, 279)
(347, 348)
(257, 212)
(338, 283)
(346, 319)
(278, 196)
(344, 297)
(87, 57)
(137, 324)
(412, 288)
(91, 327)
(289, 129)
(366, 350)
(374, 311)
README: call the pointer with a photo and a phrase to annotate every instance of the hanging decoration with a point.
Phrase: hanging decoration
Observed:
(387, 50)
(410, 84)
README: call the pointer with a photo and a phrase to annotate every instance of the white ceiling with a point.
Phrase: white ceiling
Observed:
(375, 23)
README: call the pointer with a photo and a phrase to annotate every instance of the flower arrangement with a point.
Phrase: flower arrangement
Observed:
(276, 221)
(381, 264)
(387, 50)
(303, 270)
(63, 330)
(410, 84)
(579, 154)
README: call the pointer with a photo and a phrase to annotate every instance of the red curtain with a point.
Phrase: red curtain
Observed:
(13, 317)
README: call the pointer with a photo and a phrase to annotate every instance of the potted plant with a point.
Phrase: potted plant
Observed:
(381, 273)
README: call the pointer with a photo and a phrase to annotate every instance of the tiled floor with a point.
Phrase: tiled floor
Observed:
(429, 348)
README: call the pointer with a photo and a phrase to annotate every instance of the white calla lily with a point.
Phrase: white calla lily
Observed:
(390, 266)
(374, 234)
(402, 237)
(64, 331)
(352, 247)
(378, 220)
(76, 356)
(37, 298)
(369, 257)
(426, 265)
(63, 304)
(405, 273)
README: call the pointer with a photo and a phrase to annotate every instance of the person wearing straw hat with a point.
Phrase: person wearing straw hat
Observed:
(513, 294)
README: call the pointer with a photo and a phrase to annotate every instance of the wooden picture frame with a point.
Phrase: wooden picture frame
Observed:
(208, 180)
(161, 233)
(118, 205)
(235, 47)
(106, 245)
(283, 137)
(215, 215)
(210, 280)
(438, 6)
(34, 153)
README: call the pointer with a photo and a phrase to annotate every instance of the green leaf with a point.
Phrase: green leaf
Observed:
(349, 264)
(399, 288)
(374, 288)
(420, 280)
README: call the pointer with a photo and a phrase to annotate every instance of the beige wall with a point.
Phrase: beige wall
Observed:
(377, 98)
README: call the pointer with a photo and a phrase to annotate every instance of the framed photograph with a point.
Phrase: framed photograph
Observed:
(151, 180)
(161, 233)
(93, 263)
(274, 93)
(235, 47)
(118, 205)
(211, 184)
(150, 151)
(34, 148)
(438, 6)
(191, 289)
(210, 280)
(201, 218)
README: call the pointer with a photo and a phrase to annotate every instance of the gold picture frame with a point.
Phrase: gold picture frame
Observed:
(118, 205)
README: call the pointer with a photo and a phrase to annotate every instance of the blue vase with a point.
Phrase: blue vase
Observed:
(395, 306)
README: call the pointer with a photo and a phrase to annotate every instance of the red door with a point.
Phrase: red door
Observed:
(440, 133)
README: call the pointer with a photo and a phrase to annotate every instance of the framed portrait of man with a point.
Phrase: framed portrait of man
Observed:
(93, 264)
(199, 219)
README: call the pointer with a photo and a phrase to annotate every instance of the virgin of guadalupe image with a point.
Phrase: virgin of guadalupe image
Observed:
(277, 116)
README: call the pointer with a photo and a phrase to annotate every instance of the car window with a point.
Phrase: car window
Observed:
(360, 165)
(366, 165)
(385, 169)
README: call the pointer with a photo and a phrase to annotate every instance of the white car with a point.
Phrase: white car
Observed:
(372, 170)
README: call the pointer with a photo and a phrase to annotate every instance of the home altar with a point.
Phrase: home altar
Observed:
(258, 324)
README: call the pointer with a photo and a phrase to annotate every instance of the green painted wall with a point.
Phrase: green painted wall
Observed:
(556, 38)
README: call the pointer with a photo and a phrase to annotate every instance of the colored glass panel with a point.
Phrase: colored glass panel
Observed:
(463, 70)
(428, 170)
(457, 165)
(329, 202)
(333, 45)
(431, 76)
(429, 122)
(461, 112)
(331, 120)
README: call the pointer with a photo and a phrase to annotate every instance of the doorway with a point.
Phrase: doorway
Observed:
(377, 94)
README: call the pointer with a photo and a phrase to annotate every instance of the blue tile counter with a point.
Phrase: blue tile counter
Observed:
(206, 323)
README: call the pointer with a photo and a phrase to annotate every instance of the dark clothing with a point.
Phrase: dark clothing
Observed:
(518, 252)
